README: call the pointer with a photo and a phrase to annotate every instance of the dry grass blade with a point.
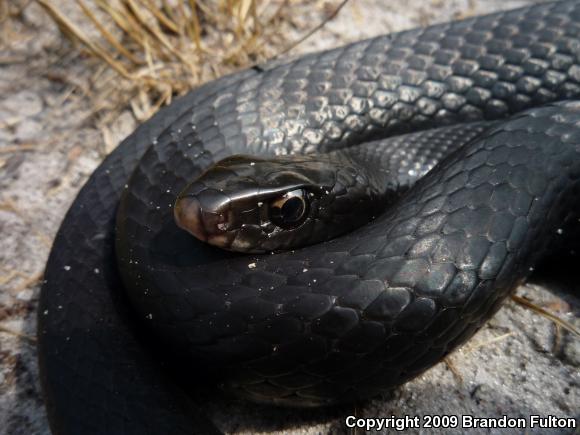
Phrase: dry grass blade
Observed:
(156, 32)
(107, 35)
(30, 339)
(473, 347)
(124, 21)
(4, 11)
(163, 19)
(451, 366)
(557, 320)
(69, 28)
(17, 148)
(314, 30)
(195, 27)
(29, 281)
(164, 48)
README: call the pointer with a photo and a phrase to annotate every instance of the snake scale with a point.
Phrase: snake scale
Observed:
(133, 309)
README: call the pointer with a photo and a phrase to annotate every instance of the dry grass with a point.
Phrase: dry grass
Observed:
(148, 51)
(558, 321)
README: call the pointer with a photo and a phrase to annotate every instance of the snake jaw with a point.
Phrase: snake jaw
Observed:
(187, 212)
(192, 216)
(207, 226)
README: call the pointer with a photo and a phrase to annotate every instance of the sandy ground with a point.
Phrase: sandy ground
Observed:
(518, 365)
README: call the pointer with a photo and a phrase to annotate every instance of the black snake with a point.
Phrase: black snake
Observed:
(342, 319)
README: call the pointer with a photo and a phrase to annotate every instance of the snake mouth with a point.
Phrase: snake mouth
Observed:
(187, 212)
(207, 226)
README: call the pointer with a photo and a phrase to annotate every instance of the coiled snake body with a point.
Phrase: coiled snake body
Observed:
(343, 319)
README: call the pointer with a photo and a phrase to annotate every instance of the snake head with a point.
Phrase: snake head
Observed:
(249, 204)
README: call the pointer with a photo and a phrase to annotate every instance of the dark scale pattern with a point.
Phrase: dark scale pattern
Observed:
(344, 189)
(372, 309)
(409, 157)
(96, 376)
(339, 320)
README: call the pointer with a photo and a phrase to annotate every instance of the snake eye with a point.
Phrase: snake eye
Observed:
(290, 209)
